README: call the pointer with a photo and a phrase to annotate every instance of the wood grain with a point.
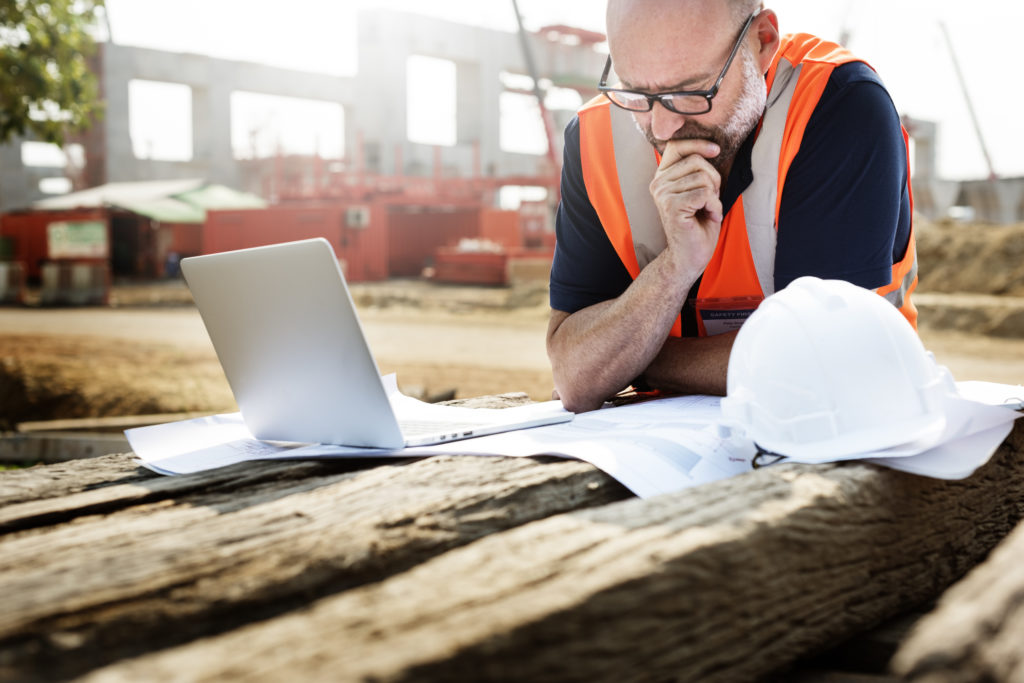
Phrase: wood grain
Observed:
(101, 574)
(977, 631)
(730, 581)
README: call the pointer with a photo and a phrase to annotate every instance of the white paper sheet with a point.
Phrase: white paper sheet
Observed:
(654, 447)
(964, 419)
(1009, 395)
(956, 459)
(413, 409)
(199, 444)
(651, 448)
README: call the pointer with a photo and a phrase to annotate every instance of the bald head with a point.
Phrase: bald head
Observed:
(660, 26)
(668, 37)
(618, 9)
(671, 46)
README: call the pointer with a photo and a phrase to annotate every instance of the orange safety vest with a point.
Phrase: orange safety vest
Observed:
(618, 165)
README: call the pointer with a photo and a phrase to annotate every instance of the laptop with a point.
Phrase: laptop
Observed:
(287, 335)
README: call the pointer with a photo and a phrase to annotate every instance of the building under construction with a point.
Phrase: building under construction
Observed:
(390, 206)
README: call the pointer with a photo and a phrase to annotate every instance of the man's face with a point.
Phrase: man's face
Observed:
(729, 132)
(651, 57)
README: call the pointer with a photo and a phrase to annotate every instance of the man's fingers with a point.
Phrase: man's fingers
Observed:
(679, 170)
(696, 182)
(713, 209)
(690, 177)
(680, 149)
(690, 171)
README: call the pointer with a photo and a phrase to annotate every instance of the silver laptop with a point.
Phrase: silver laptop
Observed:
(286, 332)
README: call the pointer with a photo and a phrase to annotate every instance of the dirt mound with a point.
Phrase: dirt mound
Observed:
(46, 378)
(959, 257)
(980, 314)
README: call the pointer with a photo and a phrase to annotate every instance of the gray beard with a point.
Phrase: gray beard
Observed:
(729, 138)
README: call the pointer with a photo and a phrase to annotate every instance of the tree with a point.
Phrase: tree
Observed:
(46, 86)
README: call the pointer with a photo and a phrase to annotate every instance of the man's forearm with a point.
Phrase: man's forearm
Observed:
(598, 350)
(692, 365)
(591, 374)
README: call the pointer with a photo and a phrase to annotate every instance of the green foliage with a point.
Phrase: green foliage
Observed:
(8, 466)
(46, 86)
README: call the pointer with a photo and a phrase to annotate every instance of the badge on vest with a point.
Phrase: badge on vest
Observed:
(718, 316)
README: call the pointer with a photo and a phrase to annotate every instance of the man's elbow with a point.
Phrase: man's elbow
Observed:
(575, 397)
(573, 387)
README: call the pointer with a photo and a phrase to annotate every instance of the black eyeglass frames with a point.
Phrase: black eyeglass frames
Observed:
(688, 102)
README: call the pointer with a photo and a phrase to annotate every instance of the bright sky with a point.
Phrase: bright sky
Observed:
(900, 38)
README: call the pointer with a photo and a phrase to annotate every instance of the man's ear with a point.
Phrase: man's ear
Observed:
(767, 27)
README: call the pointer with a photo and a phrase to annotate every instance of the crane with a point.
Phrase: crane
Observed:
(524, 41)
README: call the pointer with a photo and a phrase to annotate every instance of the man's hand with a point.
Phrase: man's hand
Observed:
(598, 350)
(685, 189)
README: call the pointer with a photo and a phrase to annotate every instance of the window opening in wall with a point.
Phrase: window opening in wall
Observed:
(263, 125)
(55, 185)
(430, 101)
(520, 128)
(160, 120)
(47, 155)
(511, 197)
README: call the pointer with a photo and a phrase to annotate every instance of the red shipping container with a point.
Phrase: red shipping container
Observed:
(28, 231)
(501, 227)
(473, 268)
(415, 233)
(356, 232)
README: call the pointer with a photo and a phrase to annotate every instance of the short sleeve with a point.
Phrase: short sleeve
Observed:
(845, 209)
(585, 270)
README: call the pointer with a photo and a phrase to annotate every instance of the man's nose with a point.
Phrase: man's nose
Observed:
(664, 123)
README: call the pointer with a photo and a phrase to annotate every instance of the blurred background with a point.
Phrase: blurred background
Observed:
(902, 40)
(424, 141)
(401, 88)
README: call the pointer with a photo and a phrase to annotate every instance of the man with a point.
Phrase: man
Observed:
(727, 163)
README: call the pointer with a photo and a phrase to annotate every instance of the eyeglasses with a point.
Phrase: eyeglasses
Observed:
(689, 102)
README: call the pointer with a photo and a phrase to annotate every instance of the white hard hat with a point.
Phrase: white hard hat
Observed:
(827, 370)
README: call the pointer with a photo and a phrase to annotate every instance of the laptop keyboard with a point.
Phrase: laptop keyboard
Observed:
(421, 427)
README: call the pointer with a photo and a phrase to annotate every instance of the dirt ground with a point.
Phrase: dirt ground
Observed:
(149, 353)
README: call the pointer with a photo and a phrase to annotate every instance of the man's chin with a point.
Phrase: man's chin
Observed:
(660, 145)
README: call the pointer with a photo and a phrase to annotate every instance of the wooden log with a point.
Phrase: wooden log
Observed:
(726, 582)
(868, 653)
(57, 480)
(108, 572)
(62, 495)
(49, 447)
(113, 423)
(60, 480)
(977, 631)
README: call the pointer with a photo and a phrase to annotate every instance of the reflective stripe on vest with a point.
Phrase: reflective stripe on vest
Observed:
(617, 173)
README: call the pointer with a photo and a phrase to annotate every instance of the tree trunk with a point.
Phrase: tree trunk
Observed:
(90, 574)
(730, 581)
(977, 632)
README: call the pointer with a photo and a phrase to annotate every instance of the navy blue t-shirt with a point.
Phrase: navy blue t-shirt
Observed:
(844, 214)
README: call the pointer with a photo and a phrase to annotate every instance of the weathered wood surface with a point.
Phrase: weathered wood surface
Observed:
(977, 632)
(49, 447)
(727, 582)
(91, 573)
(868, 654)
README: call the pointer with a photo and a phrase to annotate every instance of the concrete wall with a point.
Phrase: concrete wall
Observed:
(211, 81)
(374, 102)
(388, 39)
